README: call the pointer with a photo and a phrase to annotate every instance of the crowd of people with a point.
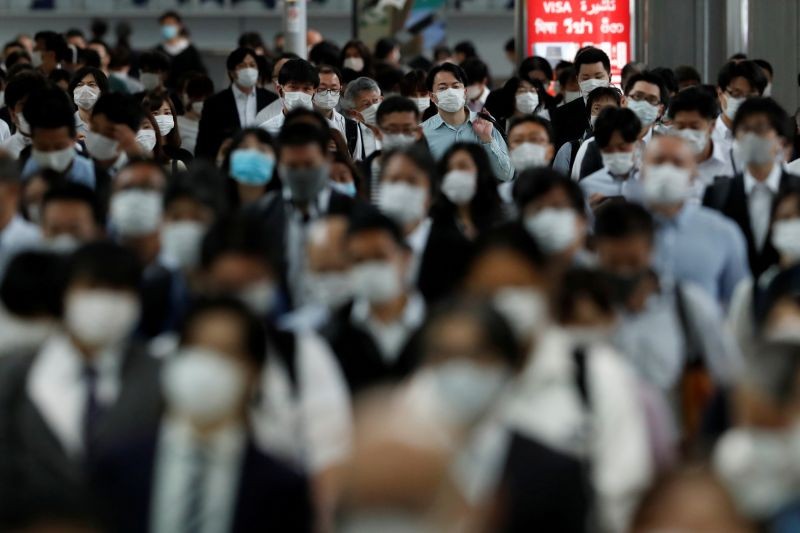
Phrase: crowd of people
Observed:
(362, 292)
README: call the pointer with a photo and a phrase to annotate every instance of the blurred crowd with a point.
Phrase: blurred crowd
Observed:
(372, 293)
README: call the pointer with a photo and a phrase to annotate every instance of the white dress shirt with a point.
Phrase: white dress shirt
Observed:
(57, 388)
(274, 124)
(15, 144)
(417, 240)
(759, 202)
(18, 236)
(275, 108)
(5, 131)
(176, 459)
(246, 105)
(717, 164)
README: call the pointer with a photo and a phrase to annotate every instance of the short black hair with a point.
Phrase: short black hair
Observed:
(253, 330)
(384, 47)
(766, 65)
(619, 220)
(685, 73)
(510, 45)
(203, 183)
(49, 108)
(298, 71)
(668, 79)
(413, 82)
(535, 119)
(74, 32)
(106, 264)
(199, 86)
(324, 53)
(613, 119)
(589, 56)
(529, 64)
(466, 48)
(99, 77)
(22, 85)
(694, 99)
(329, 69)
(170, 14)
(778, 118)
(602, 93)
(59, 74)
(748, 70)
(69, 191)
(89, 57)
(120, 109)
(240, 233)
(476, 70)
(579, 284)
(13, 65)
(302, 134)
(53, 42)
(566, 75)
(509, 236)
(369, 219)
(396, 104)
(653, 79)
(738, 56)
(388, 78)
(237, 56)
(251, 39)
(534, 183)
(33, 283)
(154, 61)
(455, 70)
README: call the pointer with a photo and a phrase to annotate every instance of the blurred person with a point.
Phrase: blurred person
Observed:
(464, 50)
(362, 98)
(50, 50)
(184, 57)
(766, 67)
(20, 60)
(477, 83)
(414, 88)
(326, 100)
(251, 167)
(517, 98)
(687, 76)
(631, 69)
(88, 57)
(103, 52)
(234, 108)
(207, 387)
(357, 58)
(71, 216)
(119, 68)
(442, 54)
(345, 176)
(198, 89)
(324, 53)
(447, 85)
(761, 133)
(16, 94)
(161, 108)
(86, 86)
(253, 41)
(736, 82)
(25, 40)
(568, 88)
(387, 53)
(16, 233)
(33, 190)
(298, 82)
(530, 145)
(60, 78)
(313, 38)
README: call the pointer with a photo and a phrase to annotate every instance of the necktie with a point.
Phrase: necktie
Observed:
(91, 413)
(195, 492)
(761, 204)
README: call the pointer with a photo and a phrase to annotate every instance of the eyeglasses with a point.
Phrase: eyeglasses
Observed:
(328, 92)
(649, 98)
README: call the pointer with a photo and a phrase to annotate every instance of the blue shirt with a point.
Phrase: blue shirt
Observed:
(81, 171)
(701, 246)
(441, 136)
(602, 182)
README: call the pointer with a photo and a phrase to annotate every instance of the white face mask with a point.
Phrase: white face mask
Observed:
(397, 141)
(646, 112)
(528, 155)
(63, 243)
(259, 297)
(467, 389)
(473, 92)
(180, 242)
(666, 184)
(247, 77)
(376, 282)
(326, 101)
(524, 308)
(146, 139)
(587, 86)
(165, 124)
(786, 238)
(753, 149)
(297, 100)
(353, 63)
(332, 289)
(58, 160)
(203, 386)
(423, 103)
(459, 186)
(554, 230)
(733, 105)
(101, 318)
(85, 96)
(451, 100)
(527, 102)
(402, 202)
(136, 212)
(571, 96)
(697, 139)
(618, 163)
(197, 107)
(101, 147)
(370, 114)
(150, 80)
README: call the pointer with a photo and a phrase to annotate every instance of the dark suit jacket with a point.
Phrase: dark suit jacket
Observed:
(33, 462)
(728, 196)
(444, 260)
(220, 120)
(271, 496)
(569, 121)
(187, 61)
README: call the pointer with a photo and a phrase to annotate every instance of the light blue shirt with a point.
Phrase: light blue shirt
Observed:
(602, 182)
(704, 247)
(81, 171)
(441, 136)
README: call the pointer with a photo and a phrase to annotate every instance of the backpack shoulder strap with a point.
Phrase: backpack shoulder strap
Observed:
(351, 134)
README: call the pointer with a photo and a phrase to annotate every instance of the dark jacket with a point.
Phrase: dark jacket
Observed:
(444, 260)
(569, 121)
(220, 120)
(188, 60)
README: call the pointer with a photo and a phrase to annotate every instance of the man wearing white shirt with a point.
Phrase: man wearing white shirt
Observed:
(297, 84)
(325, 101)
(16, 233)
(16, 94)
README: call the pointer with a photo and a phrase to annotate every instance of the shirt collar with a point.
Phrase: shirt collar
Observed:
(772, 182)
(225, 443)
(680, 220)
(60, 353)
(318, 206)
(437, 121)
(412, 316)
(241, 95)
(723, 129)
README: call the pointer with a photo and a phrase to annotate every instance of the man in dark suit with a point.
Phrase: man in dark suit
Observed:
(235, 108)
(760, 129)
(594, 70)
(85, 390)
(201, 470)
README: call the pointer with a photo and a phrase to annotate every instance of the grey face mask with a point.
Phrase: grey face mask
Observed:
(304, 183)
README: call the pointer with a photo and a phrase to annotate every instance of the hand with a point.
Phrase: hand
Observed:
(357, 116)
(483, 129)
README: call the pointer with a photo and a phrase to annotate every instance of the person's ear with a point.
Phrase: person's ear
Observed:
(551, 151)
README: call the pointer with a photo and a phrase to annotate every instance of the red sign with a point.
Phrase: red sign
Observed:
(557, 29)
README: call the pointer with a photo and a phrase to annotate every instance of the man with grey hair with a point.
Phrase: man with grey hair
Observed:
(693, 243)
(362, 99)
(16, 233)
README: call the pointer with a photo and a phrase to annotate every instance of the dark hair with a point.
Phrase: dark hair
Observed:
(578, 284)
(199, 86)
(743, 69)
(652, 79)
(89, 58)
(535, 119)
(302, 134)
(154, 61)
(151, 102)
(421, 158)
(33, 283)
(619, 220)
(613, 119)
(534, 183)
(12, 62)
(511, 236)
(22, 85)
(764, 64)
(455, 70)
(388, 78)
(634, 67)
(413, 82)
(170, 14)
(119, 57)
(106, 264)
(363, 51)
(237, 56)
(53, 42)
(120, 109)
(384, 47)
(738, 56)
(49, 109)
(203, 183)
(59, 74)
(779, 120)
(252, 328)
(369, 219)
(668, 79)
(231, 185)
(694, 99)
(264, 65)
(324, 53)
(68, 191)
(687, 73)
(240, 233)
(328, 69)
(298, 71)
(784, 193)
(602, 93)
(252, 40)
(589, 56)
(566, 75)
(532, 63)
(99, 78)
(441, 51)
(476, 70)
(396, 104)
(466, 48)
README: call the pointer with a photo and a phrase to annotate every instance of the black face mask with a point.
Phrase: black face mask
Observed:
(623, 285)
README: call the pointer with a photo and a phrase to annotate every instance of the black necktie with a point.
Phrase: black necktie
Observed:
(91, 413)
(195, 492)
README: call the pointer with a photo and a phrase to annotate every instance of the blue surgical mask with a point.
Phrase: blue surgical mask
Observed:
(348, 189)
(169, 31)
(251, 166)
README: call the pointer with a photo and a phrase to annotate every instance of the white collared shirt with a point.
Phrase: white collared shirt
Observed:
(57, 388)
(722, 133)
(390, 337)
(337, 121)
(418, 240)
(189, 129)
(759, 202)
(17, 236)
(274, 124)
(273, 109)
(15, 144)
(246, 105)
(174, 473)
